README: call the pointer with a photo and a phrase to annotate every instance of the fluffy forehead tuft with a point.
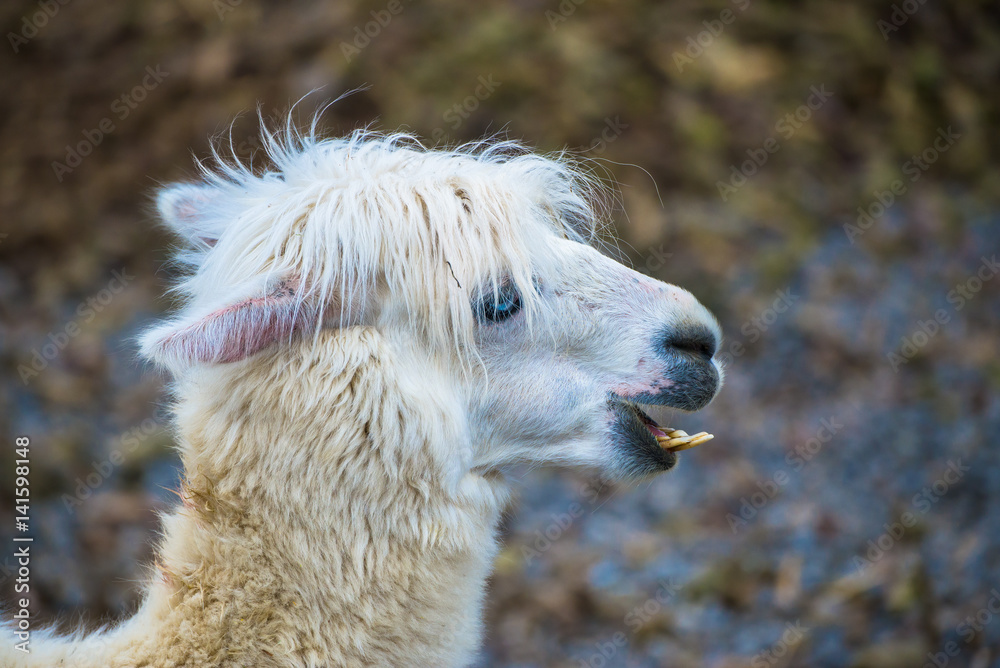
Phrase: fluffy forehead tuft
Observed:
(379, 215)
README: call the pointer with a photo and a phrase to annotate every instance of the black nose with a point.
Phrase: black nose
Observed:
(697, 341)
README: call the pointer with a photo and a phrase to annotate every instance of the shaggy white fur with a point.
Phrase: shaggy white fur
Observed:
(371, 332)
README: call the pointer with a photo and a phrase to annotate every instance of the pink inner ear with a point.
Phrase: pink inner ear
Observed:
(184, 208)
(188, 214)
(243, 329)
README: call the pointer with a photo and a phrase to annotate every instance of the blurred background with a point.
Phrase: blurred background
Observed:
(822, 175)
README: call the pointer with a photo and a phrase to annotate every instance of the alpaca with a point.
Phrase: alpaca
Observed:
(372, 332)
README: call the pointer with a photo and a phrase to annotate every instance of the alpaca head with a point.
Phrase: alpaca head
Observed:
(472, 265)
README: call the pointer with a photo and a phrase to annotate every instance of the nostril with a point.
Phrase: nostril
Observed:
(701, 348)
(700, 342)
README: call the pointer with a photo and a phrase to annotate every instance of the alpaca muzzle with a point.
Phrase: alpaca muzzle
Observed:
(693, 383)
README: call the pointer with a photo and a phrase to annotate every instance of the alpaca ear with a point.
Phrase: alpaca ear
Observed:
(184, 207)
(235, 332)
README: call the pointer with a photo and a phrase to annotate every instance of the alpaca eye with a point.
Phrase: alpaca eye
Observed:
(504, 304)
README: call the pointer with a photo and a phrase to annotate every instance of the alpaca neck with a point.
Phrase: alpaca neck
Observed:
(330, 528)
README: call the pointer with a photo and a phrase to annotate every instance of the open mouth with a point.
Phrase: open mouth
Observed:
(645, 446)
(669, 438)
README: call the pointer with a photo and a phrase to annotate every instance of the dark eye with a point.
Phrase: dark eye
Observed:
(499, 307)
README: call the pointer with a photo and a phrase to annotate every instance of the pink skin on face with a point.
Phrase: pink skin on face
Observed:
(650, 378)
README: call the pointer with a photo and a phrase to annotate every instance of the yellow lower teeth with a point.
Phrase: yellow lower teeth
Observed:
(677, 440)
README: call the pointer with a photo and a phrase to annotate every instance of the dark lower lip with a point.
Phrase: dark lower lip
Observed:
(634, 442)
